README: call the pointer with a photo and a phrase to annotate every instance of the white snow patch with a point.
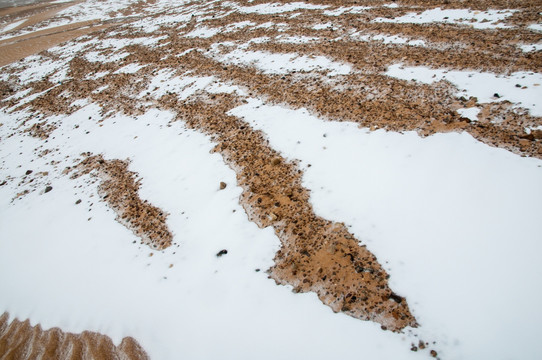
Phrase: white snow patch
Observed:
(469, 113)
(530, 47)
(535, 27)
(348, 9)
(185, 86)
(447, 216)
(274, 8)
(12, 26)
(322, 26)
(388, 39)
(272, 63)
(482, 85)
(203, 32)
(130, 69)
(489, 19)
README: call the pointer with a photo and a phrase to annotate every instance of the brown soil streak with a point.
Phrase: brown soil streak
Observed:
(120, 189)
(316, 255)
(20, 340)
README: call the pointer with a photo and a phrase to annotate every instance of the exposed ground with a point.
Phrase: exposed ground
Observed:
(228, 43)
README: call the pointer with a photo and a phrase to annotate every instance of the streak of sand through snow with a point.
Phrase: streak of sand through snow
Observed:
(451, 218)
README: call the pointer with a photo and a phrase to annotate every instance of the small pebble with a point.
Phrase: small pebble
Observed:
(48, 188)
(223, 185)
(222, 252)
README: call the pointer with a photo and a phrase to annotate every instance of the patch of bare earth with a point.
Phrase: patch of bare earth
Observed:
(317, 255)
(20, 340)
(119, 188)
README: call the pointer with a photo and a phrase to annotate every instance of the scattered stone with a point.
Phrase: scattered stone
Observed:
(421, 345)
(222, 252)
(223, 185)
(433, 353)
(78, 202)
(170, 266)
(28, 172)
(151, 254)
(3, 183)
(257, 270)
(413, 348)
(496, 95)
(48, 188)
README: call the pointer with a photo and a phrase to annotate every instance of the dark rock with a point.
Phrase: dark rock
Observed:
(257, 270)
(396, 298)
(48, 188)
(223, 185)
(413, 348)
(28, 172)
(496, 95)
(222, 252)
(433, 353)
(3, 183)
(78, 202)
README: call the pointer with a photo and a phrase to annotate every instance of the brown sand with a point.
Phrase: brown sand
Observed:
(119, 188)
(19, 340)
(52, 37)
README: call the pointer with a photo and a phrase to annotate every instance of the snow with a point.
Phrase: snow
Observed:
(535, 27)
(203, 32)
(449, 217)
(490, 19)
(482, 85)
(12, 26)
(350, 9)
(184, 86)
(530, 47)
(203, 307)
(322, 26)
(274, 8)
(129, 69)
(388, 39)
(275, 63)
(469, 113)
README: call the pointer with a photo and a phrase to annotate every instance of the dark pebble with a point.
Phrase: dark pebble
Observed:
(496, 95)
(78, 202)
(221, 252)
(48, 188)
(223, 185)
(28, 172)
(433, 353)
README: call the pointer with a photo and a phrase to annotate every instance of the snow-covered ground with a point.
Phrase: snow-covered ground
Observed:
(453, 221)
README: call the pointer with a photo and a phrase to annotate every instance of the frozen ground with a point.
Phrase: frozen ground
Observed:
(453, 220)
